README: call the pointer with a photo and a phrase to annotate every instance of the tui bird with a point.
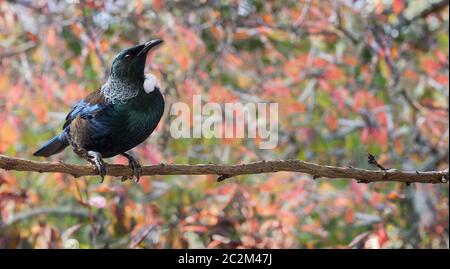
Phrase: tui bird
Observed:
(117, 117)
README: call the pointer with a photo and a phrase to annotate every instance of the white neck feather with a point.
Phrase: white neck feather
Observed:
(150, 83)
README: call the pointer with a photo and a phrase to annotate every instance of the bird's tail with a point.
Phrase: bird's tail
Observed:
(55, 145)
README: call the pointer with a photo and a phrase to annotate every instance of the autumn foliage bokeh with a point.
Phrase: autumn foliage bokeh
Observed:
(350, 77)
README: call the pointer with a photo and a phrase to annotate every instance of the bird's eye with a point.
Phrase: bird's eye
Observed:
(127, 56)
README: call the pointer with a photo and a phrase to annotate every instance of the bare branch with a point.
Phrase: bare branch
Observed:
(13, 52)
(59, 211)
(434, 8)
(227, 171)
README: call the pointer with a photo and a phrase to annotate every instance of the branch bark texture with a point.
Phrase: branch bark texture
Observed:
(226, 171)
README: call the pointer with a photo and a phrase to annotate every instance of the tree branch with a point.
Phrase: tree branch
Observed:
(227, 171)
(59, 211)
(434, 8)
(13, 52)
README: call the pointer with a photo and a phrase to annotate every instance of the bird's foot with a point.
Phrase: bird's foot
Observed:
(96, 159)
(134, 165)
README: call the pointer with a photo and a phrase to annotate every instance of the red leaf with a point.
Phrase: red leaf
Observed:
(398, 6)
(195, 228)
(276, 88)
(430, 66)
(443, 58)
(158, 4)
(332, 122)
(382, 236)
(365, 135)
(381, 136)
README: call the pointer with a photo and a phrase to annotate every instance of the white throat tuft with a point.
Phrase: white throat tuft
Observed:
(150, 83)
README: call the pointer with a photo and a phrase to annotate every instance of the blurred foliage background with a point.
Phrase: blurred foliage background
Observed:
(351, 77)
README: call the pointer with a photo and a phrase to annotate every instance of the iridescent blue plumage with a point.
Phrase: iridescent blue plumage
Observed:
(115, 128)
(114, 119)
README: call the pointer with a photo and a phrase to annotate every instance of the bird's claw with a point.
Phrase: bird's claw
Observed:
(135, 166)
(137, 169)
(96, 159)
(101, 168)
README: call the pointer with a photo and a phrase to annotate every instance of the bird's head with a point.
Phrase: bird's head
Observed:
(129, 64)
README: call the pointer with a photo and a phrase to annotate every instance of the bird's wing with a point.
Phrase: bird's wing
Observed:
(86, 108)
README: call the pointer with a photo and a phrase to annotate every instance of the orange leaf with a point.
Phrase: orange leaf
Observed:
(242, 34)
(332, 122)
(8, 135)
(268, 19)
(398, 6)
(139, 6)
(398, 146)
(72, 93)
(442, 79)
(104, 44)
(77, 29)
(182, 60)
(233, 60)
(51, 37)
(4, 83)
(276, 88)
(213, 244)
(217, 32)
(394, 195)
(411, 75)
(430, 66)
(349, 215)
(360, 100)
(158, 4)
(219, 94)
(333, 73)
(194, 228)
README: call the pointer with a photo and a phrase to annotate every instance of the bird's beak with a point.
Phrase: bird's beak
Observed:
(149, 45)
